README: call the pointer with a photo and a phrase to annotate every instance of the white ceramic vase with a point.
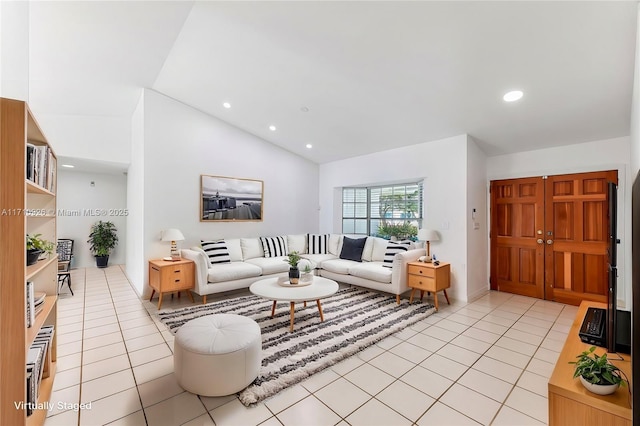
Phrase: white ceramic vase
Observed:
(599, 389)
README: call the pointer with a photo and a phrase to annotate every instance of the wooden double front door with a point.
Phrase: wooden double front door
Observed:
(550, 236)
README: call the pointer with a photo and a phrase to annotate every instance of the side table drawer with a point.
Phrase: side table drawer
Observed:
(423, 271)
(422, 283)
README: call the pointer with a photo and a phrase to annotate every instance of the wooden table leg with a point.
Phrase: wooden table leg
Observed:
(447, 296)
(190, 295)
(411, 295)
(153, 291)
(421, 294)
(320, 310)
(397, 299)
(160, 300)
(435, 299)
(293, 308)
(273, 309)
(305, 303)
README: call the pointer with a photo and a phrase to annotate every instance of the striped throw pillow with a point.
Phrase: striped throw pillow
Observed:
(274, 246)
(216, 251)
(394, 248)
(318, 243)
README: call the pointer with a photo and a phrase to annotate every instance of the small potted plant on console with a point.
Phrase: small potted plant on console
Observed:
(596, 373)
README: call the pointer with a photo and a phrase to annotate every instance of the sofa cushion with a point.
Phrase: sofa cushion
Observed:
(394, 248)
(318, 259)
(274, 246)
(371, 271)
(216, 251)
(270, 265)
(318, 243)
(367, 251)
(379, 249)
(235, 251)
(297, 243)
(251, 248)
(352, 249)
(335, 244)
(232, 271)
(338, 266)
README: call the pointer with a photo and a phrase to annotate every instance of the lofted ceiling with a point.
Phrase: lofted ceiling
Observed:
(350, 78)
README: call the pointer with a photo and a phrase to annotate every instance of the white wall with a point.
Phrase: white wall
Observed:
(180, 144)
(102, 138)
(442, 164)
(14, 50)
(80, 205)
(610, 154)
(135, 201)
(635, 110)
(478, 227)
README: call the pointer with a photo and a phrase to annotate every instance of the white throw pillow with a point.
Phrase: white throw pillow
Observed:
(216, 251)
(379, 249)
(251, 248)
(235, 251)
(335, 244)
(318, 243)
(297, 243)
(367, 251)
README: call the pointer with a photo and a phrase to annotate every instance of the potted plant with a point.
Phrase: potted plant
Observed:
(306, 275)
(294, 272)
(596, 373)
(102, 240)
(36, 246)
(397, 231)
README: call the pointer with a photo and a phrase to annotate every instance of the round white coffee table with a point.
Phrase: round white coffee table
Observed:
(318, 289)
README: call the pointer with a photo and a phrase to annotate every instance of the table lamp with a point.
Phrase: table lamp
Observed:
(428, 235)
(173, 235)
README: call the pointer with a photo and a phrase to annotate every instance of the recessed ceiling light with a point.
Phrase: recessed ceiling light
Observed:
(227, 105)
(272, 128)
(69, 166)
(514, 95)
(309, 146)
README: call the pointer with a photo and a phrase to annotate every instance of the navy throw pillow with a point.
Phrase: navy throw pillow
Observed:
(352, 248)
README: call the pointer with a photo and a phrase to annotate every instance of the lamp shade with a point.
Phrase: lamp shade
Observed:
(428, 235)
(172, 234)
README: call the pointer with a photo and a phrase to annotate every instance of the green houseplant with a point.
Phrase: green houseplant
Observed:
(399, 231)
(596, 373)
(294, 272)
(102, 239)
(36, 246)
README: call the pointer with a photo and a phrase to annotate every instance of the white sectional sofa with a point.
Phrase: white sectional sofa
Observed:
(247, 263)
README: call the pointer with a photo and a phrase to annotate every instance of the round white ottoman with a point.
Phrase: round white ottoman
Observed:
(218, 354)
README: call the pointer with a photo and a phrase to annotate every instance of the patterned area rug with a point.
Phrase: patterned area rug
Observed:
(353, 320)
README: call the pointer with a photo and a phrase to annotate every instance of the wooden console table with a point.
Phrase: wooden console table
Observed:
(569, 402)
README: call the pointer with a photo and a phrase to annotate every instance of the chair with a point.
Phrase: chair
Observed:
(64, 248)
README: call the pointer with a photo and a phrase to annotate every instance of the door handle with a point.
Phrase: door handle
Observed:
(540, 241)
(549, 242)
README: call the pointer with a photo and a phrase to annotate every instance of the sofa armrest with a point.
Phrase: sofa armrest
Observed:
(399, 269)
(201, 269)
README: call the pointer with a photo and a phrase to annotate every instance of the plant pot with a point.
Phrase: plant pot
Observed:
(599, 389)
(294, 275)
(32, 256)
(101, 261)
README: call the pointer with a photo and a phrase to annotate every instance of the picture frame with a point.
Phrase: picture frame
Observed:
(229, 199)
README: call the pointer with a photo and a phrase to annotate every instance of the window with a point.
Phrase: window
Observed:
(377, 210)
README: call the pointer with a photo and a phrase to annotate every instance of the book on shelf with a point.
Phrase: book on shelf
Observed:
(41, 166)
(38, 364)
(31, 313)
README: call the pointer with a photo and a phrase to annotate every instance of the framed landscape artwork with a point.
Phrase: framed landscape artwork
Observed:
(230, 199)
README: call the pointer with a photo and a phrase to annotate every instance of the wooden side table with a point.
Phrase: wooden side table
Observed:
(428, 277)
(168, 277)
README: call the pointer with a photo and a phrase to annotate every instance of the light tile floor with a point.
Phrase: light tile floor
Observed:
(486, 362)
